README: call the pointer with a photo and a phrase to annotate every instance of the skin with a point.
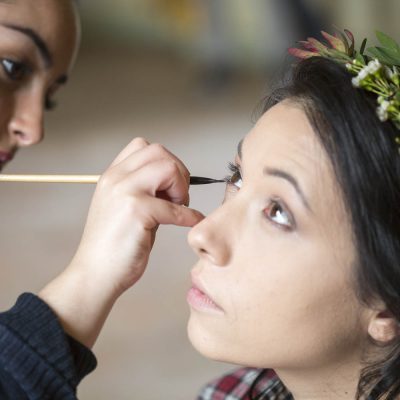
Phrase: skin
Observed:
(282, 275)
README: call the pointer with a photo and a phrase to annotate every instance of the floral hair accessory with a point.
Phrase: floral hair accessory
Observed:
(378, 71)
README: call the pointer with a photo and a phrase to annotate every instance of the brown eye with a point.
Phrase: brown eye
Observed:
(236, 179)
(15, 70)
(277, 214)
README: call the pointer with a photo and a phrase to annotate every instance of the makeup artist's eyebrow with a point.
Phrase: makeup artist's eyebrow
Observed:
(292, 180)
(37, 40)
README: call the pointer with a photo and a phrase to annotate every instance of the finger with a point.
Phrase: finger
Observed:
(147, 155)
(157, 211)
(134, 146)
(161, 176)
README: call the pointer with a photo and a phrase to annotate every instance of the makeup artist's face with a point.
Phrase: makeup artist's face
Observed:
(38, 43)
(277, 257)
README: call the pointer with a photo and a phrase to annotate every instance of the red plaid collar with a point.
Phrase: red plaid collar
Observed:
(236, 386)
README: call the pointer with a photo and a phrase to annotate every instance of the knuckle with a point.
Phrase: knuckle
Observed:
(106, 180)
(140, 141)
(171, 167)
(158, 148)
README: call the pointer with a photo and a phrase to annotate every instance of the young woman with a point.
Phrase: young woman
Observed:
(45, 339)
(299, 269)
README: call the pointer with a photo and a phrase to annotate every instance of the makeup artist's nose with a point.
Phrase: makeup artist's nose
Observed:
(212, 238)
(26, 126)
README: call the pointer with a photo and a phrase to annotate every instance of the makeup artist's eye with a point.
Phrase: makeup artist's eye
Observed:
(49, 104)
(277, 214)
(14, 70)
(235, 178)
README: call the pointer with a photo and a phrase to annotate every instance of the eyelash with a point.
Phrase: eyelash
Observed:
(235, 170)
(272, 205)
(9, 66)
(49, 104)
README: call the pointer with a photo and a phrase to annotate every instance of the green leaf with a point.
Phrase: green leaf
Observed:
(387, 41)
(384, 56)
(390, 54)
(360, 58)
(364, 43)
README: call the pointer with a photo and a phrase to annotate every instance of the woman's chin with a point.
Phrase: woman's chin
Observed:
(204, 341)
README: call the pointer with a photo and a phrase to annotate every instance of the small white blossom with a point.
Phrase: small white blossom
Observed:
(349, 66)
(363, 73)
(356, 82)
(382, 114)
(385, 105)
(373, 66)
(388, 72)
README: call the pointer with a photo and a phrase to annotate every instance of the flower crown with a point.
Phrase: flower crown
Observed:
(377, 72)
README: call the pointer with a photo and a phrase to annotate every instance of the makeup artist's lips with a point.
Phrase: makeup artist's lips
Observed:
(200, 300)
(5, 157)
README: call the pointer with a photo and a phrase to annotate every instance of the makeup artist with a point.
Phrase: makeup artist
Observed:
(45, 339)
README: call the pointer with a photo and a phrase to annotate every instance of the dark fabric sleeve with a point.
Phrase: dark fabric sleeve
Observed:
(38, 360)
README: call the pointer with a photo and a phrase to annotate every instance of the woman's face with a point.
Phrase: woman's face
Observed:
(275, 259)
(38, 44)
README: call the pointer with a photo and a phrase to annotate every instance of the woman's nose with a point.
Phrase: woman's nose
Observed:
(26, 126)
(212, 238)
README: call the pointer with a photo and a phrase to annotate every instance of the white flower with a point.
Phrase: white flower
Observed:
(385, 105)
(388, 72)
(374, 66)
(349, 66)
(356, 82)
(382, 114)
(363, 73)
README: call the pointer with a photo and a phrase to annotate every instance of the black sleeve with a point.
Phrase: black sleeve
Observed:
(38, 360)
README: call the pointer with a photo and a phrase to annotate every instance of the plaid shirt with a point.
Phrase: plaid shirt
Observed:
(236, 386)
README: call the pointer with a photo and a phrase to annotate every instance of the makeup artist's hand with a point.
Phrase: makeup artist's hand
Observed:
(145, 186)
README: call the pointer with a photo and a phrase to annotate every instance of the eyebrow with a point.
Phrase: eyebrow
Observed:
(37, 40)
(281, 174)
(291, 179)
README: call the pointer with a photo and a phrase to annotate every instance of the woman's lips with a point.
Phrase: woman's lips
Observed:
(199, 300)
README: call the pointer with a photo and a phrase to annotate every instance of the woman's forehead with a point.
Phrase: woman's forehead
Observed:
(284, 134)
(283, 139)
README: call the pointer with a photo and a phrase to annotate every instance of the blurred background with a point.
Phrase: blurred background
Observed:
(189, 74)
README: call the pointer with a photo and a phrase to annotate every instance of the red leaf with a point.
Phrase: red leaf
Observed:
(299, 53)
(336, 43)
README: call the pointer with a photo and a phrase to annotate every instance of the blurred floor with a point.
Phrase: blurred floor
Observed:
(114, 95)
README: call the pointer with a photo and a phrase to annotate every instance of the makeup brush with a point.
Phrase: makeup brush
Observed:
(194, 180)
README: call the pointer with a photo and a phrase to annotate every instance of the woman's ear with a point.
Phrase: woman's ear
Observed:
(383, 327)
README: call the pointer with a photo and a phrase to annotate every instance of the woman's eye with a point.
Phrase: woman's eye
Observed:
(235, 178)
(14, 70)
(278, 215)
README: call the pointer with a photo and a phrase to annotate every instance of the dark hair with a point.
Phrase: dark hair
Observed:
(366, 161)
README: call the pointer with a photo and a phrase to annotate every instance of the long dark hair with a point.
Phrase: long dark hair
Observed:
(366, 161)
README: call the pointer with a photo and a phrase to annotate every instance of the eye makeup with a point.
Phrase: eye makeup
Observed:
(275, 212)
